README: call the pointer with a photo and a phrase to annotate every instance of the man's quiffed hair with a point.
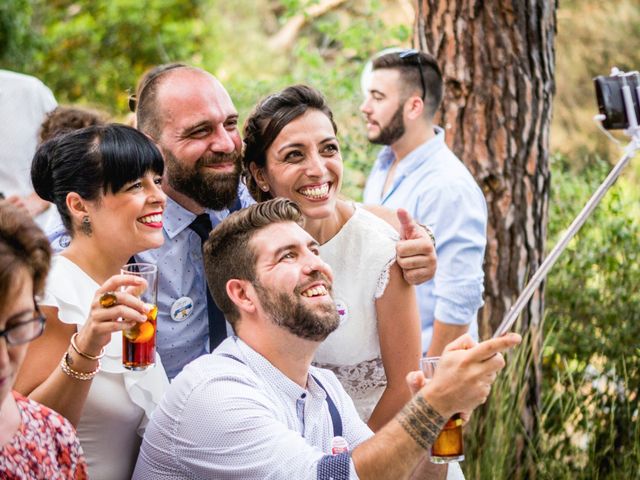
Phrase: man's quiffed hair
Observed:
(410, 75)
(227, 253)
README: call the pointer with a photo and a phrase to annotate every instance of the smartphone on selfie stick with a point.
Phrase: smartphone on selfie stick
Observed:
(618, 97)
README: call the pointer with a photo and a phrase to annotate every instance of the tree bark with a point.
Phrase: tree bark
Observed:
(498, 60)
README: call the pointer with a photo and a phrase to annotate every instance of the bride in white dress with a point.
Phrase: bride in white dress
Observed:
(291, 151)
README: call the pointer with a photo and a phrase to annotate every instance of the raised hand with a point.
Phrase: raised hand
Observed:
(415, 251)
(465, 373)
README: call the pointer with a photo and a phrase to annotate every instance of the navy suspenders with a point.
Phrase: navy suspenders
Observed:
(336, 419)
(333, 411)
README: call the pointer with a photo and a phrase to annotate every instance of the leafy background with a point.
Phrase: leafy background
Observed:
(92, 52)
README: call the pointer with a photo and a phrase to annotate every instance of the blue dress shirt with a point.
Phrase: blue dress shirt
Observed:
(438, 190)
(183, 326)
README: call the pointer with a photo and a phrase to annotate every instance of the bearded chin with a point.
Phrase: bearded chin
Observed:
(314, 326)
(215, 191)
(392, 132)
(310, 324)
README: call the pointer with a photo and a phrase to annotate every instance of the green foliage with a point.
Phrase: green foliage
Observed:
(329, 54)
(95, 51)
(490, 450)
(16, 40)
(593, 319)
(593, 36)
(589, 425)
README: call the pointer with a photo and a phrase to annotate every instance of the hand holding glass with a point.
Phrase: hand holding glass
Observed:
(448, 447)
(139, 341)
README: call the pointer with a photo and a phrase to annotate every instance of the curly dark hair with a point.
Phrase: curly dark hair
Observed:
(64, 119)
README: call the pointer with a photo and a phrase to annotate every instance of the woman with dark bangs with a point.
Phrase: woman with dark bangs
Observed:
(105, 182)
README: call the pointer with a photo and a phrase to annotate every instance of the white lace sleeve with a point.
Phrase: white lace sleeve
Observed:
(383, 279)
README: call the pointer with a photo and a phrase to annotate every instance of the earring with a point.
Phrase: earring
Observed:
(265, 188)
(85, 226)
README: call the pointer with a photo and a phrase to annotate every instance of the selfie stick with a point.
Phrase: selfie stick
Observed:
(630, 151)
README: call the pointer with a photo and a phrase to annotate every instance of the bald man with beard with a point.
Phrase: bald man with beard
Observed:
(190, 116)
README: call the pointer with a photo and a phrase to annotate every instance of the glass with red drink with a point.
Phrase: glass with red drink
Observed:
(139, 341)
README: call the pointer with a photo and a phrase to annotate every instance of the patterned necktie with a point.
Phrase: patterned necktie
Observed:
(217, 326)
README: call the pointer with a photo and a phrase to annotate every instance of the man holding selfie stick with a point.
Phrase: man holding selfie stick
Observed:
(255, 408)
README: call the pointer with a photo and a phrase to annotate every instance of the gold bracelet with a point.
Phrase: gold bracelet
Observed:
(66, 368)
(83, 354)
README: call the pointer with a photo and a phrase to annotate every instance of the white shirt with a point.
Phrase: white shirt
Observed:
(24, 103)
(120, 401)
(360, 255)
(241, 418)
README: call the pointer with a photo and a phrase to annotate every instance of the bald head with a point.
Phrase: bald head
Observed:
(191, 118)
(170, 80)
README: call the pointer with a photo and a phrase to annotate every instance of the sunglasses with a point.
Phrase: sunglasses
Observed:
(409, 55)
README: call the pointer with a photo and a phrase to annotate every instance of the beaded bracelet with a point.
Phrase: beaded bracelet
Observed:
(66, 368)
(430, 233)
(83, 354)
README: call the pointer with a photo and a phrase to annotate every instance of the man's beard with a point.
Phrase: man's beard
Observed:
(289, 312)
(212, 190)
(392, 131)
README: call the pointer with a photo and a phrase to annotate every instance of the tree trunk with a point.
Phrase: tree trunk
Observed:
(497, 59)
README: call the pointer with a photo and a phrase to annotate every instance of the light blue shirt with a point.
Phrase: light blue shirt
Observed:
(232, 414)
(183, 325)
(438, 190)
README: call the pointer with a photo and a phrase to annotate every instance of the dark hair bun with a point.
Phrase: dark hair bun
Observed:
(42, 171)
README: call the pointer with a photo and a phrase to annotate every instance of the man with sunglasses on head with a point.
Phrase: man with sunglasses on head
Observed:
(417, 171)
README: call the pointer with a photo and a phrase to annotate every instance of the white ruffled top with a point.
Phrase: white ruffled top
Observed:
(360, 255)
(120, 401)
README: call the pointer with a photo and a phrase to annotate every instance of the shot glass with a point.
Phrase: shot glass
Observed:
(139, 342)
(449, 446)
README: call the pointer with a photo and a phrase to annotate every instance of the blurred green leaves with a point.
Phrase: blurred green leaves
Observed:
(94, 51)
(592, 326)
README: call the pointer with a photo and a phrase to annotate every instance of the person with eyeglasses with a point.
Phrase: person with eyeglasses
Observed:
(417, 171)
(35, 441)
(105, 182)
